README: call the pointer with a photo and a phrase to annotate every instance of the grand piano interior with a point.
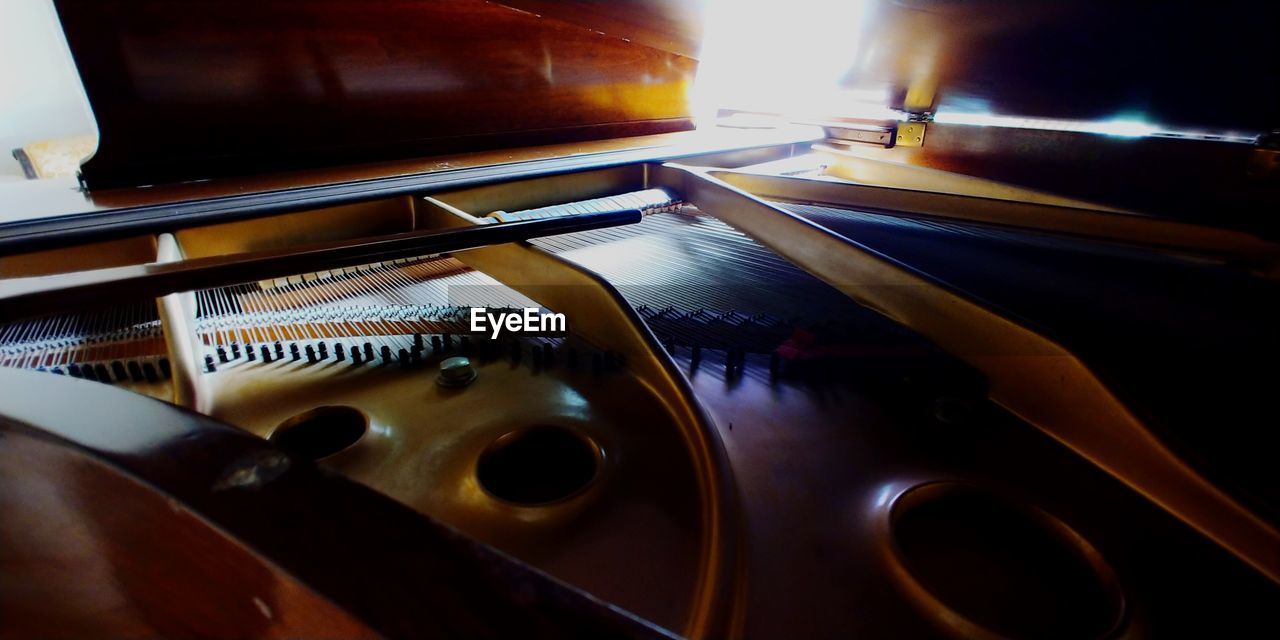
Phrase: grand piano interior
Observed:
(882, 319)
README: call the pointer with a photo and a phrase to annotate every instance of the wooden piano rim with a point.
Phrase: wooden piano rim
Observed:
(382, 584)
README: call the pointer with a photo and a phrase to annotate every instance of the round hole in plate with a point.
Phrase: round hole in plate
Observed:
(321, 432)
(538, 465)
(999, 569)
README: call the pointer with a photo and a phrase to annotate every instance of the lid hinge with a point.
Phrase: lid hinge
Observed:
(884, 134)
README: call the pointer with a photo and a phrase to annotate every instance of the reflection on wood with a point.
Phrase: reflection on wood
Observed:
(244, 87)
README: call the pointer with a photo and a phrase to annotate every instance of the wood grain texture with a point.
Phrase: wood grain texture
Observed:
(91, 552)
(201, 89)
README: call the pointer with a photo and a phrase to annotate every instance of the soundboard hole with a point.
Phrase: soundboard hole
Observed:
(321, 432)
(1011, 570)
(538, 465)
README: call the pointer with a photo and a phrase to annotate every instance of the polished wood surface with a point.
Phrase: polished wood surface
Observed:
(1187, 180)
(72, 567)
(236, 88)
(147, 520)
(1195, 65)
(670, 25)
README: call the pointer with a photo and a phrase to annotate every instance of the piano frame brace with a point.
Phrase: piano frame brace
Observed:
(30, 297)
(1031, 375)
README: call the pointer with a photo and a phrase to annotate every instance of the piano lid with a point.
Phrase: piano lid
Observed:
(1203, 66)
(1199, 65)
(206, 88)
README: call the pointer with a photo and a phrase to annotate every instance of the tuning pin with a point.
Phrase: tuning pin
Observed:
(165, 369)
(249, 352)
(368, 351)
(448, 342)
(436, 345)
(235, 350)
(222, 354)
(339, 352)
(324, 350)
(466, 345)
(356, 358)
(279, 348)
(385, 351)
(295, 353)
(135, 371)
(117, 369)
(404, 358)
(209, 365)
(74, 370)
(311, 355)
(89, 373)
(101, 371)
(149, 370)
(417, 341)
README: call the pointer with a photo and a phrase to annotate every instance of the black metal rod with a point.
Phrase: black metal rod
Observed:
(29, 297)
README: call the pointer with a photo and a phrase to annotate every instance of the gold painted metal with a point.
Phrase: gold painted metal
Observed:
(376, 217)
(858, 168)
(529, 194)
(592, 448)
(98, 255)
(125, 252)
(177, 318)
(910, 134)
(908, 191)
(956, 623)
(423, 442)
(1030, 375)
(598, 313)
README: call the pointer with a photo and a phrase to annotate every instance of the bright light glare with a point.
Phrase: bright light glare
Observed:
(782, 57)
(788, 57)
(1123, 127)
